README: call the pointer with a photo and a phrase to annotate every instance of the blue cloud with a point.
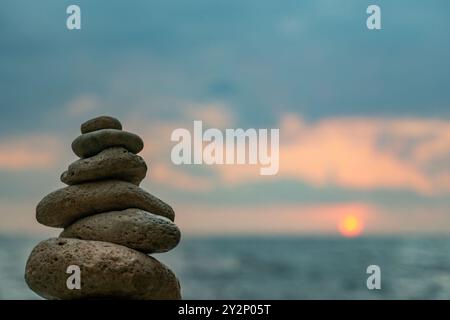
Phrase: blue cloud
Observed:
(314, 57)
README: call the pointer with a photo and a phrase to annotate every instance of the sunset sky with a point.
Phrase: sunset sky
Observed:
(364, 116)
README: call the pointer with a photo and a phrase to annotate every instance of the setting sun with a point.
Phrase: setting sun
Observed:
(350, 226)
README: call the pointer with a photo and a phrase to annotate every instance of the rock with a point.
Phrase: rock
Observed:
(91, 143)
(99, 123)
(108, 271)
(111, 163)
(62, 207)
(132, 228)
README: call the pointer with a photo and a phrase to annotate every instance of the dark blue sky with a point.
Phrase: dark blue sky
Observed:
(260, 61)
(315, 58)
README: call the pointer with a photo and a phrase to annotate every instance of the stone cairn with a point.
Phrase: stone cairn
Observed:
(110, 224)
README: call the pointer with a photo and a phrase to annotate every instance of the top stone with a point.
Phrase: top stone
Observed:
(99, 123)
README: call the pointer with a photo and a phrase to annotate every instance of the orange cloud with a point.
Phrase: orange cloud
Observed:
(215, 115)
(156, 153)
(307, 219)
(413, 219)
(354, 152)
(273, 219)
(346, 153)
(29, 152)
(157, 145)
(178, 179)
(360, 153)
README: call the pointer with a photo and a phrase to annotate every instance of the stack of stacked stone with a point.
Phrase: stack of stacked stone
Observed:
(110, 224)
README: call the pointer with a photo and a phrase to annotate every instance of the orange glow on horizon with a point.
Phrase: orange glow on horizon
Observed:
(350, 226)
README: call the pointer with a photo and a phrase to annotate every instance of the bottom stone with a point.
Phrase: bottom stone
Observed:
(106, 270)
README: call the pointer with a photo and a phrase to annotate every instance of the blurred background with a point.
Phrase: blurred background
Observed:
(364, 119)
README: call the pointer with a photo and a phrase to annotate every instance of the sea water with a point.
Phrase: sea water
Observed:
(281, 267)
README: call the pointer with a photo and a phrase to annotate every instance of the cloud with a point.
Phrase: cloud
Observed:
(346, 153)
(82, 105)
(179, 179)
(355, 153)
(215, 115)
(29, 152)
(360, 153)
(157, 144)
(275, 219)
(417, 218)
(306, 219)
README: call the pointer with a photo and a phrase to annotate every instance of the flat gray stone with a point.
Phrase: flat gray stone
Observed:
(111, 163)
(108, 271)
(132, 228)
(102, 122)
(64, 206)
(91, 143)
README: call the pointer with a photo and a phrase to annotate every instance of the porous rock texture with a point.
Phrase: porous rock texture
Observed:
(62, 207)
(111, 224)
(102, 122)
(107, 271)
(91, 143)
(111, 163)
(133, 228)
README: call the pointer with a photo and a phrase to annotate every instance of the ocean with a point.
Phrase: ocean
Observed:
(281, 267)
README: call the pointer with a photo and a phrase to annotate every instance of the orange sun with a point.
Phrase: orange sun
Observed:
(350, 225)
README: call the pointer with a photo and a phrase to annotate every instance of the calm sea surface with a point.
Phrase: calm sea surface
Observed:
(281, 268)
